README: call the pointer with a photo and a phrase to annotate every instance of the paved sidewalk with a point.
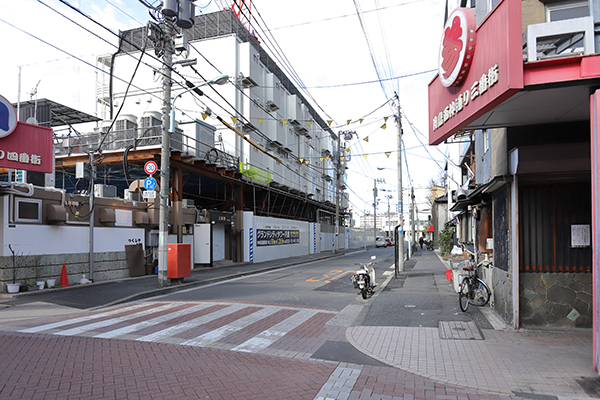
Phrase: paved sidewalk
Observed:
(526, 363)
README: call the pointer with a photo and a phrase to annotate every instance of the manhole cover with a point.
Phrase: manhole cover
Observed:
(459, 330)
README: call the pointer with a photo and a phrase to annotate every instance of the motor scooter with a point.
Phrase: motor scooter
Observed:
(364, 278)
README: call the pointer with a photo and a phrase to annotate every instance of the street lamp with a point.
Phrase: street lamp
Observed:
(164, 185)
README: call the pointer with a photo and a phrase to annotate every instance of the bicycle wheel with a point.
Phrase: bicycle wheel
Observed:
(481, 293)
(463, 294)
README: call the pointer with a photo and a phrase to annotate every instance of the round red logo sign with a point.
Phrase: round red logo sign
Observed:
(457, 47)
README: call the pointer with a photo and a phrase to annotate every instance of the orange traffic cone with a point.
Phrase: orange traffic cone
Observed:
(64, 281)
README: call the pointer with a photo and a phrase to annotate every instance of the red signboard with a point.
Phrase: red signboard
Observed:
(28, 147)
(495, 74)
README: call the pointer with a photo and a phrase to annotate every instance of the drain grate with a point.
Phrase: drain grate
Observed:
(460, 330)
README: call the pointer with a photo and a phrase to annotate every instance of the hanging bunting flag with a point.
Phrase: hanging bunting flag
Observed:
(321, 158)
(342, 158)
(306, 162)
(308, 123)
(361, 120)
(204, 115)
(327, 158)
(387, 153)
(329, 123)
(260, 120)
(347, 149)
(301, 160)
(284, 122)
(366, 139)
(349, 121)
(383, 126)
(365, 156)
(234, 119)
(385, 119)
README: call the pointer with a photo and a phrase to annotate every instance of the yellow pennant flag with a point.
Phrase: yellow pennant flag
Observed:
(365, 156)
(361, 120)
(349, 121)
(308, 123)
(327, 158)
(284, 122)
(301, 160)
(383, 126)
(234, 119)
(204, 115)
(385, 119)
(306, 162)
(329, 123)
(342, 158)
(387, 153)
(347, 149)
(366, 139)
(260, 120)
(321, 158)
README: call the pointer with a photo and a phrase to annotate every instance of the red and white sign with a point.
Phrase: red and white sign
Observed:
(150, 167)
(495, 74)
(8, 118)
(29, 147)
(457, 47)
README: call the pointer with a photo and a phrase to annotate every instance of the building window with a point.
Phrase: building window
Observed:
(487, 137)
(562, 11)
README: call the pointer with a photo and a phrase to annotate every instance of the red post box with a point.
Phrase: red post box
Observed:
(179, 260)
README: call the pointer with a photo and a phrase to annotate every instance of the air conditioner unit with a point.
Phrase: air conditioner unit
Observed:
(107, 191)
(188, 203)
(272, 106)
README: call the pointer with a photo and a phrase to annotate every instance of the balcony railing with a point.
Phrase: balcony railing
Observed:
(564, 38)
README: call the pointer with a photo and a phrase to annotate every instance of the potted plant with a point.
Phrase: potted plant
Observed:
(38, 280)
(14, 286)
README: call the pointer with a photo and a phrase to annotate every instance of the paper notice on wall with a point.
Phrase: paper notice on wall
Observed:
(580, 236)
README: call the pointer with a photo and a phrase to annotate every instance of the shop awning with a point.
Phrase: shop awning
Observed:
(430, 229)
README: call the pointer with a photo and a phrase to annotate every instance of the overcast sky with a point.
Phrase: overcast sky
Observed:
(350, 67)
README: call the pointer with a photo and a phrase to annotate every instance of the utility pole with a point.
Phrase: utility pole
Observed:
(375, 210)
(400, 245)
(165, 162)
(336, 245)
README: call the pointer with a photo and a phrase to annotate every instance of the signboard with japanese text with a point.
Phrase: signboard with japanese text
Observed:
(273, 237)
(28, 147)
(494, 75)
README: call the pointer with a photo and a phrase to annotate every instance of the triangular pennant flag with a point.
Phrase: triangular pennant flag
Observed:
(306, 162)
(387, 153)
(365, 156)
(361, 120)
(327, 158)
(234, 119)
(329, 123)
(204, 115)
(366, 139)
(260, 120)
(349, 121)
(342, 158)
(308, 123)
(385, 119)
(383, 126)
(284, 122)
(347, 149)
(321, 158)
(301, 160)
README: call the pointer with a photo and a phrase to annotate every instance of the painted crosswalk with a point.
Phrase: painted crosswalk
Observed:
(243, 327)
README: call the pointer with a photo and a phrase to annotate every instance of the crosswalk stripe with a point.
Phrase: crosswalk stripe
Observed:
(153, 321)
(55, 325)
(271, 335)
(216, 334)
(90, 327)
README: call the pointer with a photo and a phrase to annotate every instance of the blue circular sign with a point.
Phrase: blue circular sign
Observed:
(8, 118)
(149, 183)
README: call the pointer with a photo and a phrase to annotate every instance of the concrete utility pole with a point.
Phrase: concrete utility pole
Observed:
(336, 245)
(375, 210)
(400, 245)
(165, 162)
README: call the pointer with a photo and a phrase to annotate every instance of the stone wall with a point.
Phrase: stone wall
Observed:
(502, 302)
(559, 300)
(31, 268)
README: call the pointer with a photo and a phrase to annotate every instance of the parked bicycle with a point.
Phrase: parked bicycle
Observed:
(472, 289)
